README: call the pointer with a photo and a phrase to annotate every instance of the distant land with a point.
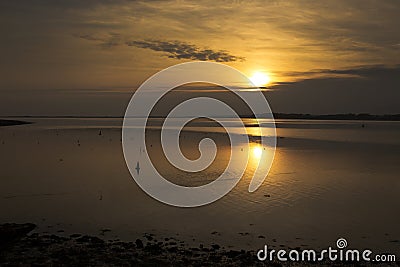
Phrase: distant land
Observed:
(12, 122)
(346, 116)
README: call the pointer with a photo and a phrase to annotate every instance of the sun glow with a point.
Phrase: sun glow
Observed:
(257, 152)
(260, 79)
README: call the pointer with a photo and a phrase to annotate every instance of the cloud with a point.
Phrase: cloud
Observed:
(173, 49)
(182, 50)
(364, 71)
(370, 71)
(366, 89)
(111, 40)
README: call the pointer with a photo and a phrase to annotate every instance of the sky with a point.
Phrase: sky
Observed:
(87, 57)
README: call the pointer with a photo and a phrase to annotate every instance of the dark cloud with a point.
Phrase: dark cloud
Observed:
(358, 71)
(89, 37)
(112, 40)
(62, 4)
(371, 71)
(366, 89)
(173, 49)
(181, 50)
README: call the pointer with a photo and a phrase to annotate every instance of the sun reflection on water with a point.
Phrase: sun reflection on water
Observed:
(257, 152)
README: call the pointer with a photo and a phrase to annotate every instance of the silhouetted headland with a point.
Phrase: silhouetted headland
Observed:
(12, 122)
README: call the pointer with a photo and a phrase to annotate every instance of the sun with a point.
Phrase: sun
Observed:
(260, 79)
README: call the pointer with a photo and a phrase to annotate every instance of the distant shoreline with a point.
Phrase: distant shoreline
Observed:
(293, 116)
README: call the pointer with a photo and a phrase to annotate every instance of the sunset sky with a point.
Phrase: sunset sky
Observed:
(86, 57)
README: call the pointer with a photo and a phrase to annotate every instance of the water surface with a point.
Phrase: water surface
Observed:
(329, 179)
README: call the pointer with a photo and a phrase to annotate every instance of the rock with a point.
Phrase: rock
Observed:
(90, 239)
(148, 237)
(139, 243)
(232, 253)
(11, 232)
(75, 235)
(215, 246)
(153, 248)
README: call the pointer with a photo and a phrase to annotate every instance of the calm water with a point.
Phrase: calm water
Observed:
(329, 179)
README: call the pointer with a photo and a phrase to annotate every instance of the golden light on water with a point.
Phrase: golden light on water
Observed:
(260, 78)
(257, 152)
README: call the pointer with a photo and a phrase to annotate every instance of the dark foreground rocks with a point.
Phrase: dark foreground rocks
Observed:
(11, 233)
(18, 248)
